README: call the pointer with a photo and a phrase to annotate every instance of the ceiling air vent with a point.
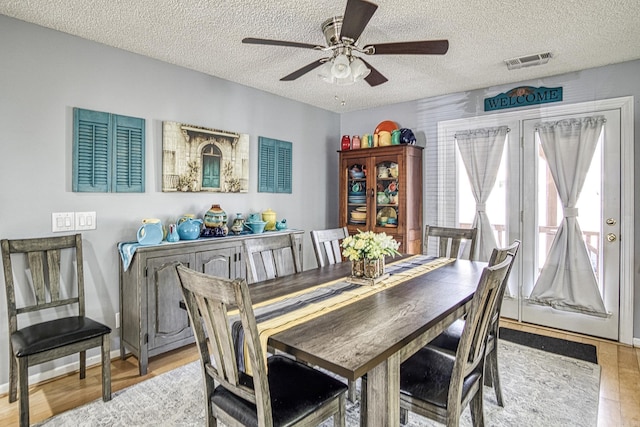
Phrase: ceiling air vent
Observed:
(528, 61)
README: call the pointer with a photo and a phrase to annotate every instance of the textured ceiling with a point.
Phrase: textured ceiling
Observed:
(206, 36)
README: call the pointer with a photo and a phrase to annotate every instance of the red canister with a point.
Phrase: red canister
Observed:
(346, 142)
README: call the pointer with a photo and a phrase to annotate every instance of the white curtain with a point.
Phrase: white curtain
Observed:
(567, 280)
(481, 152)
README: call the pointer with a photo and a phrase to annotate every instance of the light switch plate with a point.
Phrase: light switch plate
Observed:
(85, 220)
(62, 221)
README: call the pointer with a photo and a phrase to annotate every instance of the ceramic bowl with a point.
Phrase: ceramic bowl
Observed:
(355, 174)
(358, 215)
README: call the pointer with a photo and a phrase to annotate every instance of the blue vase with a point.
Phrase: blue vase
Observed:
(173, 234)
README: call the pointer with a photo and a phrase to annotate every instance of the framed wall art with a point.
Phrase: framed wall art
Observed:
(196, 159)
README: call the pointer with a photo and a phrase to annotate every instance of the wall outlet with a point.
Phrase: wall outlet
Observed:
(117, 320)
(85, 220)
(62, 221)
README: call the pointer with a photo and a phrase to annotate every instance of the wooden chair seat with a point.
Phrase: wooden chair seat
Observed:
(296, 392)
(54, 334)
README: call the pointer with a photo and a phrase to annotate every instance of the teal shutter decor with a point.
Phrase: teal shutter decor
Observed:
(274, 166)
(108, 152)
(129, 153)
(283, 170)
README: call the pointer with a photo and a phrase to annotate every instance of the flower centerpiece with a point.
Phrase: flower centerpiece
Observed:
(366, 251)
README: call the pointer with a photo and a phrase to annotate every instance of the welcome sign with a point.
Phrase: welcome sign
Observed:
(523, 96)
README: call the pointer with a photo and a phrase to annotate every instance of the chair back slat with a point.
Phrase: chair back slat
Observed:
(36, 267)
(449, 240)
(326, 245)
(42, 259)
(271, 257)
(471, 349)
(208, 299)
(497, 256)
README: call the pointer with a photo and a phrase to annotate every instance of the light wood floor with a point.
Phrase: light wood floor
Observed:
(619, 385)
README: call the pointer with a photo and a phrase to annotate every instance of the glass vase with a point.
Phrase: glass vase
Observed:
(357, 268)
(373, 268)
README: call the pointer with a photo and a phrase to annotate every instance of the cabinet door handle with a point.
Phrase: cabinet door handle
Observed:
(371, 192)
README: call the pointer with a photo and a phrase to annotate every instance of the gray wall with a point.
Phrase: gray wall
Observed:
(423, 115)
(44, 74)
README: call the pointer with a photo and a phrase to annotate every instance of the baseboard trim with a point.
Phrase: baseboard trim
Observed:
(60, 371)
(636, 342)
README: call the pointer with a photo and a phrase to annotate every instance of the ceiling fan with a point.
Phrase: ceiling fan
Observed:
(342, 34)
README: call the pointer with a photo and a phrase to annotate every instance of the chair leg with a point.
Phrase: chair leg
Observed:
(339, 417)
(476, 407)
(106, 368)
(363, 402)
(83, 364)
(23, 379)
(13, 372)
(494, 373)
(404, 416)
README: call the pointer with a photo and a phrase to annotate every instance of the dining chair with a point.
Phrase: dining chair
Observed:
(326, 245)
(439, 385)
(281, 391)
(450, 338)
(267, 258)
(39, 279)
(449, 240)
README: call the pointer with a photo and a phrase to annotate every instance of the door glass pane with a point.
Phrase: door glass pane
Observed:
(357, 199)
(496, 204)
(387, 194)
(589, 209)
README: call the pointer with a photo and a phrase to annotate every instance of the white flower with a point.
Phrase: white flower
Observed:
(367, 244)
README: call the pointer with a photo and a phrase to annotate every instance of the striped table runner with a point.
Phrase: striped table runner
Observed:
(279, 314)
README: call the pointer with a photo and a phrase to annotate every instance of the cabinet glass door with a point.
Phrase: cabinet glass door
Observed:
(357, 209)
(387, 194)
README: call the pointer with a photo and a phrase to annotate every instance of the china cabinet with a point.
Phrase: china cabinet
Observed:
(381, 191)
(153, 321)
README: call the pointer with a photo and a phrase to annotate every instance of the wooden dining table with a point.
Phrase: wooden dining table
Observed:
(376, 334)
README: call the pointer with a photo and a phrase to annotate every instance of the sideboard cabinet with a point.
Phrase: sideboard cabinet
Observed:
(153, 320)
(381, 191)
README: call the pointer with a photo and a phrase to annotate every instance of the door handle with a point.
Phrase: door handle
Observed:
(610, 221)
(611, 237)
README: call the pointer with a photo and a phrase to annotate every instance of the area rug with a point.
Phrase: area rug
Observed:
(573, 349)
(539, 388)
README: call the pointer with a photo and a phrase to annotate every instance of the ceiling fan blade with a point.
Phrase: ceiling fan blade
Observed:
(374, 78)
(356, 17)
(251, 40)
(425, 47)
(302, 71)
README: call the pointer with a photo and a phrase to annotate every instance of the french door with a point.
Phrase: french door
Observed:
(598, 216)
(525, 205)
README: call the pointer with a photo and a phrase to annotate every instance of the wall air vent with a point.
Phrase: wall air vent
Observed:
(528, 60)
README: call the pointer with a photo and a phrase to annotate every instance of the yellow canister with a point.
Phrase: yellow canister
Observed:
(269, 217)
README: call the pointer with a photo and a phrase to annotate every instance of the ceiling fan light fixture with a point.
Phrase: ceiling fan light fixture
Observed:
(340, 68)
(325, 72)
(359, 70)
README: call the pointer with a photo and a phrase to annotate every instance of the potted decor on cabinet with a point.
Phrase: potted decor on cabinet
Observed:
(366, 251)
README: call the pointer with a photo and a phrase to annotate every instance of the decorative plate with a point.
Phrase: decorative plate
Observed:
(388, 212)
(387, 125)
